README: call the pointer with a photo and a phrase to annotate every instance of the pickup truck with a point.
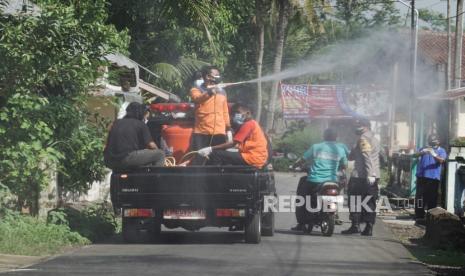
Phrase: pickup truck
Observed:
(190, 197)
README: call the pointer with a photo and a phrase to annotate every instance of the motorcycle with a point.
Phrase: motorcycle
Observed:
(322, 214)
(327, 196)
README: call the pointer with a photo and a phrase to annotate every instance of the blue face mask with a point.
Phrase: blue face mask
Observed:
(239, 118)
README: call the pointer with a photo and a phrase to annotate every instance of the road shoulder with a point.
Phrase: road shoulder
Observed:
(11, 262)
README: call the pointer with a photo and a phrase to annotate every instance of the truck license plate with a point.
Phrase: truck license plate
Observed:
(184, 214)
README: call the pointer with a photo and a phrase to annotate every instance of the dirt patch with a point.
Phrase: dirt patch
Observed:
(407, 234)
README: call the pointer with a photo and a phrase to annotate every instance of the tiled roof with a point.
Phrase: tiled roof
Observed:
(432, 47)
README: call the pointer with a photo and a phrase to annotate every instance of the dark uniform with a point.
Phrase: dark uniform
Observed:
(366, 157)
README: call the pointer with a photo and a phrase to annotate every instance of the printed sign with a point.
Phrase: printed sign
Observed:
(333, 101)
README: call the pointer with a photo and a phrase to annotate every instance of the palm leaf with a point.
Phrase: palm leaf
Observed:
(188, 66)
(199, 11)
(3, 4)
(167, 72)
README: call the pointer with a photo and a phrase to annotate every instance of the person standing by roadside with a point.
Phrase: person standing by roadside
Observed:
(428, 175)
(211, 113)
(363, 183)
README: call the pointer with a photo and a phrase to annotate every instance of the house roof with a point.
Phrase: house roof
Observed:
(452, 94)
(432, 47)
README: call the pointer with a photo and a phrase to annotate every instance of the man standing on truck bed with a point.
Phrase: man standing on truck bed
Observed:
(211, 113)
(250, 139)
(130, 144)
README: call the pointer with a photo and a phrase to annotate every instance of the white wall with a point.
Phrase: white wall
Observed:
(461, 118)
(401, 135)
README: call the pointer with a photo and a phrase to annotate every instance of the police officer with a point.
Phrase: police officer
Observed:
(363, 184)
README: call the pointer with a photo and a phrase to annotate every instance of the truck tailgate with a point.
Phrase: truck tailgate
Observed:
(166, 187)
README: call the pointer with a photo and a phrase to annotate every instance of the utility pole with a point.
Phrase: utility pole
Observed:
(392, 110)
(413, 62)
(448, 84)
(449, 50)
(458, 67)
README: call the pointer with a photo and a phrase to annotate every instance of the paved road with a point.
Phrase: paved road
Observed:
(218, 252)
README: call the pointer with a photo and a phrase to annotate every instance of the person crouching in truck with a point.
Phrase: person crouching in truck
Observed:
(211, 113)
(130, 144)
(249, 138)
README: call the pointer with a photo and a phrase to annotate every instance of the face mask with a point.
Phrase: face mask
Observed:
(433, 144)
(359, 130)
(216, 79)
(239, 119)
(198, 83)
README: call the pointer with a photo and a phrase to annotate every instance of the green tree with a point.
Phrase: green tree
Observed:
(49, 62)
(436, 20)
(177, 38)
(359, 15)
(284, 11)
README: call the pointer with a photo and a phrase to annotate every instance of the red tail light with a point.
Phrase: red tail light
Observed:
(331, 192)
(230, 212)
(171, 107)
(138, 213)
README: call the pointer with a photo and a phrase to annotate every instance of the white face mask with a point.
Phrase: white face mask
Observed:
(198, 83)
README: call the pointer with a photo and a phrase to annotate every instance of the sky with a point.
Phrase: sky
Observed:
(437, 5)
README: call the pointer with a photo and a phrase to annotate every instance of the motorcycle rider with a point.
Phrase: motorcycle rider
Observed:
(325, 159)
(363, 182)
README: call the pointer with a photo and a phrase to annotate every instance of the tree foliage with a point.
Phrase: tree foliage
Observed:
(49, 62)
(436, 21)
(168, 35)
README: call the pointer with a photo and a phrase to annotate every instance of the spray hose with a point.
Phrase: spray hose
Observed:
(170, 161)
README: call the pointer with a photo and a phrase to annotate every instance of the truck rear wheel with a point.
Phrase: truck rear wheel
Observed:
(141, 230)
(268, 224)
(253, 228)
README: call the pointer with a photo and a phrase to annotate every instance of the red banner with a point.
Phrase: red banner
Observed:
(332, 101)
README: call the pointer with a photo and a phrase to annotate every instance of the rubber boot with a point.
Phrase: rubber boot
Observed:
(354, 229)
(368, 231)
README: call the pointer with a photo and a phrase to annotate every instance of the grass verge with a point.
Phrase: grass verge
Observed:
(64, 228)
(440, 257)
(25, 235)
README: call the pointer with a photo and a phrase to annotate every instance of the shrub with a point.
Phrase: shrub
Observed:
(95, 222)
(282, 164)
(25, 235)
(300, 140)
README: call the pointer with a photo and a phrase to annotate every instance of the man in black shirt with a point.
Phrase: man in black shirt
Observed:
(130, 144)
